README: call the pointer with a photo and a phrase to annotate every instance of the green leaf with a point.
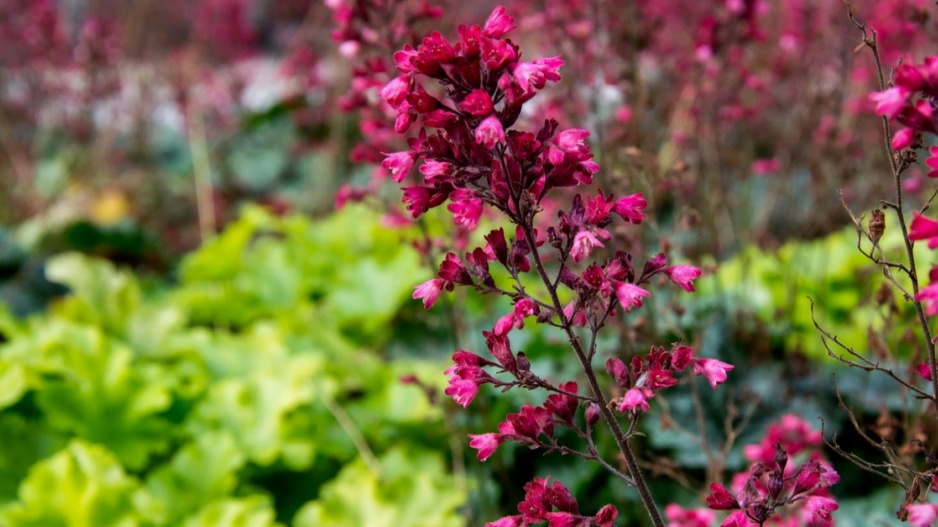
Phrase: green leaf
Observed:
(101, 294)
(199, 472)
(81, 486)
(13, 382)
(270, 415)
(25, 441)
(89, 385)
(253, 511)
(414, 490)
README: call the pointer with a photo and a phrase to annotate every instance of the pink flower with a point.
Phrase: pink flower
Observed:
(486, 444)
(598, 209)
(495, 53)
(919, 117)
(507, 521)
(466, 208)
(531, 75)
(490, 132)
(477, 103)
(346, 193)
(607, 515)
(766, 166)
(631, 207)
(630, 295)
(721, 499)
(399, 164)
(903, 139)
(504, 324)
(820, 508)
(714, 370)
(465, 377)
(923, 228)
(498, 23)
(469, 39)
(681, 357)
(923, 370)
(572, 143)
(462, 390)
(438, 48)
(523, 309)
(583, 244)
(618, 370)
(417, 200)
(433, 169)
(929, 296)
(890, 102)
(683, 276)
(453, 270)
(429, 291)
(395, 91)
(576, 318)
(922, 515)
(678, 516)
(633, 398)
(563, 519)
(932, 162)
(909, 77)
(403, 58)
(563, 406)
(738, 519)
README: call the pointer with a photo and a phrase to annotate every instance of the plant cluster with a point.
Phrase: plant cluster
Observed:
(212, 403)
(473, 155)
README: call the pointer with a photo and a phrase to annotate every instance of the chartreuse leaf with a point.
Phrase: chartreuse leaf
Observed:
(272, 415)
(200, 472)
(359, 272)
(9, 326)
(87, 384)
(101, 294)
(414, 489)
(392, 409)
(776, 287)
(82, 486)
(13, 382)
(25, 442)
(253, 511)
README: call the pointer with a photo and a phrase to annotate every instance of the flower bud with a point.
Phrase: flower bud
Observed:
(775, 484)
(592, 414)
(524, 365)
(781, 457)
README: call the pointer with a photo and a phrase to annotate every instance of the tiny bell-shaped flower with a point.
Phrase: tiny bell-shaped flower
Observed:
(592, 414)
(721, 499)
(489, 132)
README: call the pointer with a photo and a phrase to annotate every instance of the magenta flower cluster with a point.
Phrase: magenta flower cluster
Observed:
(913, 101)
(467, 97)
(555, 504)
(656, 371)
(775, 490)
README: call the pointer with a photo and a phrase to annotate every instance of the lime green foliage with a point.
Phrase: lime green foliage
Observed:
(776, 287)
(251, 390)
(396, 496)
(80, 485)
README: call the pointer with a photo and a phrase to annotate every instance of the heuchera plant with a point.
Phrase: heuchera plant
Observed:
(909, 97)
(911, 101)
(468, 96)
(786, 484)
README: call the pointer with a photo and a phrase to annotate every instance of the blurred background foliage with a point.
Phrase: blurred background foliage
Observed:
(191, 334)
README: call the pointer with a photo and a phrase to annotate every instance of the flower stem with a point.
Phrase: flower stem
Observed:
(600, 398)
